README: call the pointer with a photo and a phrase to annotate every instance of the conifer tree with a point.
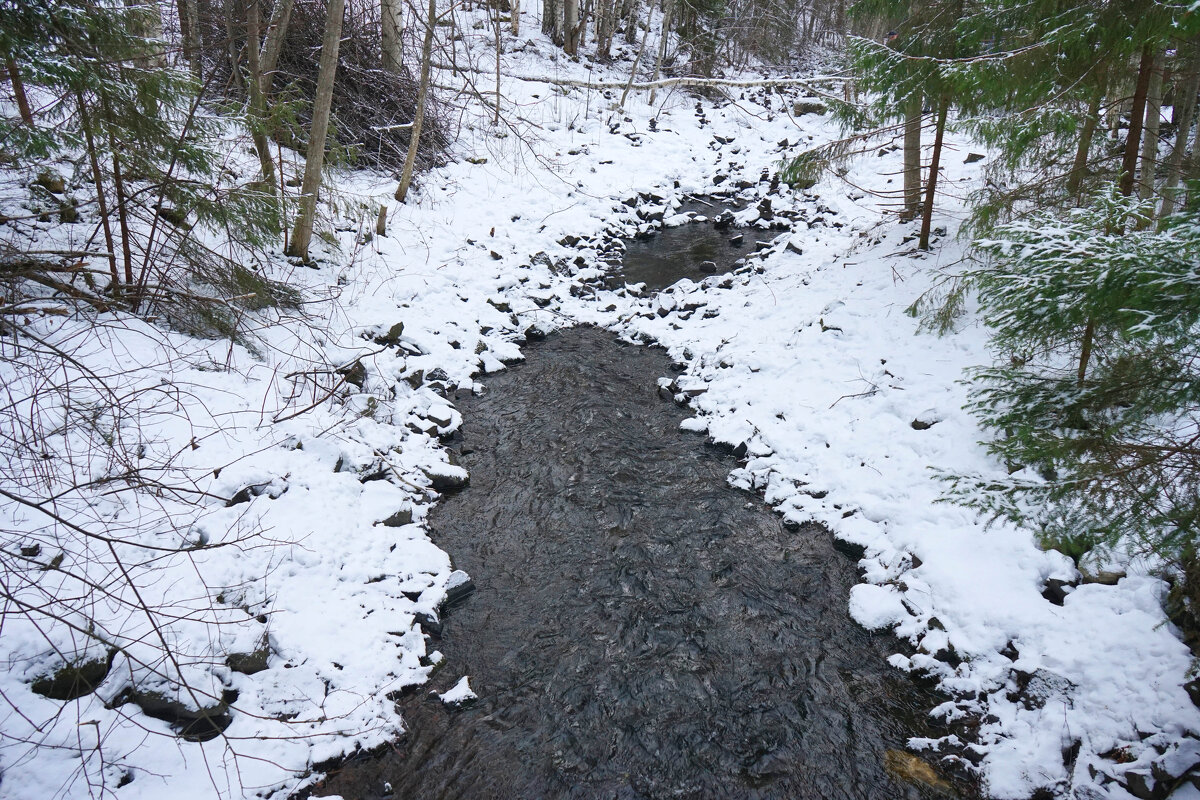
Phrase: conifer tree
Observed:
(1114, 457)
(152, 158)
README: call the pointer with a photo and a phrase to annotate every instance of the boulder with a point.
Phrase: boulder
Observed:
(253, 662)
(402, 517)
(392, 337)
(457, 588)
(73, 680)
(808, 106)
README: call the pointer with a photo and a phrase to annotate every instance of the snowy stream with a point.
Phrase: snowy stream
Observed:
(640, 628)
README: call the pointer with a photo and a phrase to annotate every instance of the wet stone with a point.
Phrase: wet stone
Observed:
(72, 680)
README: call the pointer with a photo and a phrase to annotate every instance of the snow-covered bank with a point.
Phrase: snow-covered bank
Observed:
(809, 361)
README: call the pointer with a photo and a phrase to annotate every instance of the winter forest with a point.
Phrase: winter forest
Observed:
(599, 398)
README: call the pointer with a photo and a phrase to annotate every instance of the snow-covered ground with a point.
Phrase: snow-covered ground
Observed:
(806, 356)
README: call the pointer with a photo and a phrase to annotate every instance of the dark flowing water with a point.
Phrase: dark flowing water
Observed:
(640, 629)
(674, 253)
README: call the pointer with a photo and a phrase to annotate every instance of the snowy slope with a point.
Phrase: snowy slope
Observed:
(807, 358)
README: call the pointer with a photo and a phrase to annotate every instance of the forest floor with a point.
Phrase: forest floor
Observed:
(804, 358)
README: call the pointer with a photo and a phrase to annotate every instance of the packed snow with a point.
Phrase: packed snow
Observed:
(805, 356)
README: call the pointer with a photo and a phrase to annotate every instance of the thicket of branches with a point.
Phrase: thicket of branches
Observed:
(372, 105)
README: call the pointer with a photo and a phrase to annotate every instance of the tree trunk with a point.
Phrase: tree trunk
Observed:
(258, 108)
(668, 9)
(189, 28)
(1150, 134)
(498, 44)
(314, 160)
(1185, 111)
(934, 163)
(551, 25)
(148, 22)
(1137, 114)
(389, 26)
(606, 17)
(123, 218)
(231, 44)
(414, 140)
(98, 179)
(636, 61)
(631, 21)
(570, 26)
(281, 14)
(515, 17)
(912, 155)
(1079, 166)
(18, 87)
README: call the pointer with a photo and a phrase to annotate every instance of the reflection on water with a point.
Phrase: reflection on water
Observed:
(673, 253)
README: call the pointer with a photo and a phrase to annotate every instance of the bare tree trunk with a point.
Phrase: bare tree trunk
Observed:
(570, 26)
(18, 86)
(606, 25)
(637, 60)
(268, 57)
(552, 20)
(668, 9)
(498, 44)
(98, 180)
(314, 159)
(934, 163)
(1150, 133)
(1079, 166)
(258, 109)
(912, 156)
(389, 26)
(631, 21)
(189, 31)
(123, 219)
(231, 44)
(414, 141)
(1185, 112)
(1137, 115)
(585, 13)
(148, 22)
(515, 17)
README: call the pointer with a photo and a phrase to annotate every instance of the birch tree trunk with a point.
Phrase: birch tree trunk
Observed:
(389, 29)
(281, 14)
(570, 26)
(149, 25)
(668, 13)
(552, 20)
(606, 20)
(414, 140)
(258, 107)
(912, 156)
(515, 17)
(1185, 112)
(314, 159)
